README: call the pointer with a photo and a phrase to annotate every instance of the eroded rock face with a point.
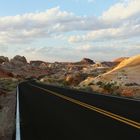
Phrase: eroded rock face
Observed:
(87, 61)
(4, 73)
(18, 60)
(124, 79)
(36, 63)
(119, 60)
(109, 64)
(74, 79)
(3, 59)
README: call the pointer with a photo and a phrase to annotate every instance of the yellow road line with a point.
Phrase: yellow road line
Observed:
(101, 111)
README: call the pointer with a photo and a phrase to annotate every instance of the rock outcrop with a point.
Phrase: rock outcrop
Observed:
(124, 79)
(36, 63)
(18, 61)
(109, 64)
(3, 59)
(74, 79)
(119, 60)
(87, 61)
(4, 73)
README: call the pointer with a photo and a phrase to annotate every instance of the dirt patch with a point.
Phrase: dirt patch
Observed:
(7, 115)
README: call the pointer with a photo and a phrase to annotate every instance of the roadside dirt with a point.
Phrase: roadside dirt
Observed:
(7, 115)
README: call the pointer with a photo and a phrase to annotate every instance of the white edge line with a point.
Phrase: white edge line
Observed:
(17, 117)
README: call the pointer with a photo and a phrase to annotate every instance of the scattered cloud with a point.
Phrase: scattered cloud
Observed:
(25, 28)
(122, 10)
(122, 21)
(85, 47)
(87, 36)
(123, 32)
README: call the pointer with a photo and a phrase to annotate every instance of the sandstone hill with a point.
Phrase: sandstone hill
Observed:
(124, 79)
(120, 77)
(120, 59)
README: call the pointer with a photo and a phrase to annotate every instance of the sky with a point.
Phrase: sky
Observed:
(68, 30)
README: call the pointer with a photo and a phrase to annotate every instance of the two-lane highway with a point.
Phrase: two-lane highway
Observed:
(53, 113)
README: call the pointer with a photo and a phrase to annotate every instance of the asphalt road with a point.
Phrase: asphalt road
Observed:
(53, 113)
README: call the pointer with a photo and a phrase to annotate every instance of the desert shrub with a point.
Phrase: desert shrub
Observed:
(8, 84)
(90, 84)
(109, 86)
(131, 84)
(64, 83)
(99, 83)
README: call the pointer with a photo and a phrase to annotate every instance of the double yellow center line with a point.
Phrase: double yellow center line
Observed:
(93, 108)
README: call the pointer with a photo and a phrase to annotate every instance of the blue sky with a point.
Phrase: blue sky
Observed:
(79, 7)
(68, 30)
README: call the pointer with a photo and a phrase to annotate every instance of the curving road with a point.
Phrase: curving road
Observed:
(54, 113)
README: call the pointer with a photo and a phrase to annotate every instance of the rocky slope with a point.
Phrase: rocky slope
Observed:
(119, 77)
(71, 74)
(4, 73)
(124, 79)
(119, 60)
(20, 68)
(3, 59)
(87, 61)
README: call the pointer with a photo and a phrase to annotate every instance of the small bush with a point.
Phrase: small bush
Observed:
(110, 86)
(131, 84)
(99, 83)
(90, 84)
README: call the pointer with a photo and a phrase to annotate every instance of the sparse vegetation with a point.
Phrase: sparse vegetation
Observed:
(91, 84)
(99, 83)
(131, 84)
(109, 86)
(8, 84)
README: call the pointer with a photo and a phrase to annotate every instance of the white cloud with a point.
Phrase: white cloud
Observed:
(122, 10)
(50, 53)
(85, 47)
(126, 31)
(25, 28)
(117, 21)
(122, 20)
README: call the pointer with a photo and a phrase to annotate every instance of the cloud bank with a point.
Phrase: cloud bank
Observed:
(30, 26)
(121, 22)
